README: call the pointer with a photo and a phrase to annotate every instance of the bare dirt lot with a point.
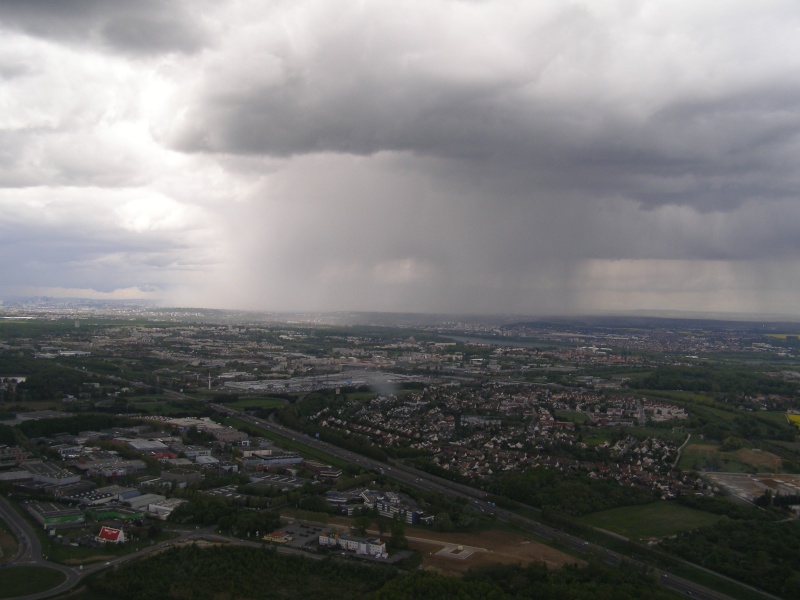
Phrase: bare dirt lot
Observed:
(757, 458)
(703, 447)
(441, 551)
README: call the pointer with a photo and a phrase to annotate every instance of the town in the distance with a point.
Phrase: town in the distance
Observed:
(208, 454)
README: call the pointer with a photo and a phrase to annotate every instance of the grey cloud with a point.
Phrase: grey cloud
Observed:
(146, 35)
(38, 157)
(711, 146)
(711, 156)
(77, 257)
(449, 156)
(11, 69)
(134, 27)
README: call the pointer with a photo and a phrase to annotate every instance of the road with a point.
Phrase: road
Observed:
(29, 551)
(477, 499)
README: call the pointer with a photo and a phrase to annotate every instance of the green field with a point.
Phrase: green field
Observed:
(696, 455)
(163, 407)
(677, 396)
(360, 395)
(572, 415)
(677, 434)
(600, 437)
(656, 520)
(8, 543)
(260, 403)
(21, 581)
(708, 457)
(778, 418)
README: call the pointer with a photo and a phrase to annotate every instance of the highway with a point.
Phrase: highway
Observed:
(477, 499)
(29, 552)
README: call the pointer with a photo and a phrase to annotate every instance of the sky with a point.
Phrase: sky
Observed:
(448, 156)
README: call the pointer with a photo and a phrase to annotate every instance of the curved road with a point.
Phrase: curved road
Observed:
(29, 551)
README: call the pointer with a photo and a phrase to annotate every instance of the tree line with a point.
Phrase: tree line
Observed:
(225, 573)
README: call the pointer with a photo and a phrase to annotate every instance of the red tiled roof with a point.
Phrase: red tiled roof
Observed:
(110, 534)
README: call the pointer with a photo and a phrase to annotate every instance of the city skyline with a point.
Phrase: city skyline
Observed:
(445, 157)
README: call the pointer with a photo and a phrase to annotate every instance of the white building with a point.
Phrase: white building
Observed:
(163, 509)
(367, 547)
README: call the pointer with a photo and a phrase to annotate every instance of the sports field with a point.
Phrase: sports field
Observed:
(650, 521)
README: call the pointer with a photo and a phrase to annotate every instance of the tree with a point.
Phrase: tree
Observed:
(443, 522)
(361, 524)
(398, 540)
(155, 530)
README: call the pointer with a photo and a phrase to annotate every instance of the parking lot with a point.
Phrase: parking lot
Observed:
(303, 534)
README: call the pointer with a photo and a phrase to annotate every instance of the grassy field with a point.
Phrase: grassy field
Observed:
(791, 446)
(675, 395)
(572, 415)
(21, 581)
(360, 396)
(8, 544)
(599, 437)
(260, 403)
(31, 406)
(164, 407)
(794, 419)
(676, 434)
(696, 455)
(707, 457)
(656, 520)
(779, 418)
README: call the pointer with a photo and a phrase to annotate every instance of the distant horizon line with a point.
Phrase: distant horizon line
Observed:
(504, 316)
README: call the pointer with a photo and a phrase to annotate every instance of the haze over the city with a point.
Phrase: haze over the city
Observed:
(439, 156)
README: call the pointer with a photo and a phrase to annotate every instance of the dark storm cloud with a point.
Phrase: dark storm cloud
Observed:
(713, 146)
(134, 27)
(711, 157)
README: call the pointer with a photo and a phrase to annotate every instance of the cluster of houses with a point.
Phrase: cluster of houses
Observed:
(480, 432)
